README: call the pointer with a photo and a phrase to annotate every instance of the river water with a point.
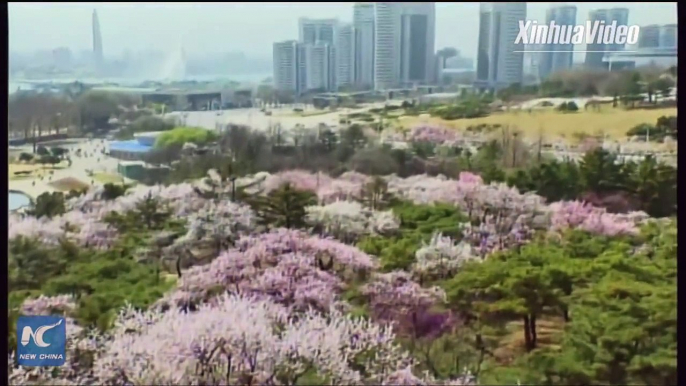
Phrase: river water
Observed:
(25, 84)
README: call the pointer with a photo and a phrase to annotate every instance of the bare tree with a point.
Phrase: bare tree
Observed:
(515, 152)
(34, 114)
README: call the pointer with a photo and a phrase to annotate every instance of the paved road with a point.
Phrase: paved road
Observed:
(256, 119)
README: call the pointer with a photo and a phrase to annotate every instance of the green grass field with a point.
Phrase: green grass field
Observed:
(36, 170)
(108, 178)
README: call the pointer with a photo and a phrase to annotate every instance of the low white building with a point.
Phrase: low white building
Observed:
(442, 97)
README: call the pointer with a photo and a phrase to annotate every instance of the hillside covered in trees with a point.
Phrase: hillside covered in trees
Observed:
(234, 275)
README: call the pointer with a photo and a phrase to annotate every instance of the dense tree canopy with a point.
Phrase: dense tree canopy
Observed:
(301, 258)
(181, 135)
(477, 282)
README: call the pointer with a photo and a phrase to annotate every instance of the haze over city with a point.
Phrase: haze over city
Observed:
(250, 28)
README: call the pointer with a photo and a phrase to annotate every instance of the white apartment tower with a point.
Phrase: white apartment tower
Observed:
(287, 66)
(319, 38)
(317, 30)
(345, 55)
(499, 60)
(363, 28)
(320, 65)
(386, 45)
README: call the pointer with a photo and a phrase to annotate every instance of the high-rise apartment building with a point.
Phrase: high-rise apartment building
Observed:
(97, 41)
(301, 64)
(484, 43)
(363, 27)
(649, 36)
(500, 61)
(288, 66)
(596, 51)
(387, 45)
(345, 55)
(559, 56)
(317, 30)
(404, 45)
(319, 38)
(621, 16)
(417, 43)
(320, 66)
(668, 36)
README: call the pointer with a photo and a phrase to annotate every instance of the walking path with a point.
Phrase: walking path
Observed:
(91, 158)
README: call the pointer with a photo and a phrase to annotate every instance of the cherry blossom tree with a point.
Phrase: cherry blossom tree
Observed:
(290, 267)
(433, 134)
(250, 349)
(396, 299)
(441, 257)
(576, 214)
(348, 220)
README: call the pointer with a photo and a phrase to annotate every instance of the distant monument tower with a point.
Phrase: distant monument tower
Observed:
(97, 42)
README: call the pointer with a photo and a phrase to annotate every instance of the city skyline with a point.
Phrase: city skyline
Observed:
(398, 39)
(278, 22)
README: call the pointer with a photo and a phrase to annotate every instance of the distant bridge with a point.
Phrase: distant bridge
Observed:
(642, 53)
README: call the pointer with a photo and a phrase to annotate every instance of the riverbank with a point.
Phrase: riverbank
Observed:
(29, 84)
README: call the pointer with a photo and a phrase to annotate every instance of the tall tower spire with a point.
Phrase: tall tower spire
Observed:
(97, 40)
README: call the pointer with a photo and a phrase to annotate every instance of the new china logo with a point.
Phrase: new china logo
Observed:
(41, 340)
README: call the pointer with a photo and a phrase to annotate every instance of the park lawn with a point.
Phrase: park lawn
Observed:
(614, 122)
(170, 277)
(316, 113)
(68, 184)
(37, 170)
(108, 178)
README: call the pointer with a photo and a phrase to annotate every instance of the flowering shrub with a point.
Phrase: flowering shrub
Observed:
(299, 179)
(290, 267)
(394, 298)
(348, 220)
(48, 305)
(432, 134)
(219, 220)
(441, 257)
(269, 307)
(265, 345)
(84, 228)
(576, 214)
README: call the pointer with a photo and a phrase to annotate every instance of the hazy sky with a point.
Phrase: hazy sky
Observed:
(248, 27)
